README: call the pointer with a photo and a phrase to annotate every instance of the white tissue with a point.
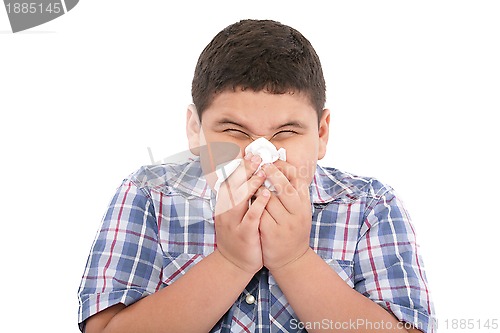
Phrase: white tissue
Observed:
(261, 147)
(268, 153)
(224, 170)
(266, 150)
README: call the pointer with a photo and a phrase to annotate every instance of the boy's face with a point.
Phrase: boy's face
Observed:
(287, 120)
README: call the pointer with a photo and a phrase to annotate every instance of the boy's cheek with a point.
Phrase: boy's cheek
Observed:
(210, 137)
(215, 154)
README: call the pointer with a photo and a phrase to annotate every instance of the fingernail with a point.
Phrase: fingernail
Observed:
(255, 159)
(266, 193)
(248, 156)
(261, 173)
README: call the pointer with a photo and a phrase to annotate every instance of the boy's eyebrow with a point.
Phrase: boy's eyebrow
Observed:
(291, 124)
(227, 121)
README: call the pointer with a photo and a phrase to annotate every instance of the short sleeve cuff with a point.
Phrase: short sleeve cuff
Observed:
(412, 318)
(93, 303)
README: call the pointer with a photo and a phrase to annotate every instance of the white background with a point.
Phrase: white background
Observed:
(413, 87)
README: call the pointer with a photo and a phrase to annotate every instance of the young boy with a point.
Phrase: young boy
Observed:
(324, 251)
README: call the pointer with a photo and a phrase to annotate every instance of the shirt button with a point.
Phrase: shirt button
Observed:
(250, 299)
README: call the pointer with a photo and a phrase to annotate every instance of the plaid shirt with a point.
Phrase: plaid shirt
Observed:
(161, 222)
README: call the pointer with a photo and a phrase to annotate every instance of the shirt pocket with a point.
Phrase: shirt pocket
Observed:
(176, 265)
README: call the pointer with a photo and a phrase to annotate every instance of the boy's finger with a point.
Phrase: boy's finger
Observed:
(293, 176)
(245, 170)
(287, 169)
(249, 188)
(267, 225)
(231, 197)
(254, 212)
(276, 209)
(284, 189)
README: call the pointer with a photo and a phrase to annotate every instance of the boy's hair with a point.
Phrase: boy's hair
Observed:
(258, 55)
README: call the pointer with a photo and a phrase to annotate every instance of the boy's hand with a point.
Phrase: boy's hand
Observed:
(285, 226)
(237, 224)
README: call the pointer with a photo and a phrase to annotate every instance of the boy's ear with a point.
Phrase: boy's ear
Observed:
(323, 132)
(193, 128)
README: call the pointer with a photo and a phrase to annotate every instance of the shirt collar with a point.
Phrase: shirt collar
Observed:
(190, 181)
(325, 186)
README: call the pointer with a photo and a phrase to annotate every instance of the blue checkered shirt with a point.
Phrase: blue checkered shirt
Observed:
(161, 222)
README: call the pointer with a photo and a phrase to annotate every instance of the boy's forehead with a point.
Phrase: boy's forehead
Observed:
(263, 108)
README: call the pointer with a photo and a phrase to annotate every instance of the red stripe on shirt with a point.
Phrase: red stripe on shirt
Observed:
(372, 263)
(180, 270)
(160, 281)
(97, 302)
(346, 231)
(317, 188)
(160, 214)
(278, 314)
(389, 307)
(241, 324)
(204, 190)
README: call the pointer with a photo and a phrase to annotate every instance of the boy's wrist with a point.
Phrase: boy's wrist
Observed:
(234, 267)
(291, 264)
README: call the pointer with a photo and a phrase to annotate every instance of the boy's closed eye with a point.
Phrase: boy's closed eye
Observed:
(237, 133)
(284, 134)
(279, 135)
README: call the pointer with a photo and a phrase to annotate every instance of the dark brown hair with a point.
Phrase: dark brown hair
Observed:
(258, 55)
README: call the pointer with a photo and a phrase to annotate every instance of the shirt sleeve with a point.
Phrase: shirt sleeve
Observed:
(388, 267)
(125, 260)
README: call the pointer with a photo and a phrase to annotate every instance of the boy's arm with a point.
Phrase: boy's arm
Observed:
(314, 290)
(193, 303)
(210, 298)
(334, 301)
(208, 289)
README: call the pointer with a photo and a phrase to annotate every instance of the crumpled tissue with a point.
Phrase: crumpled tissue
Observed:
(261, 147)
